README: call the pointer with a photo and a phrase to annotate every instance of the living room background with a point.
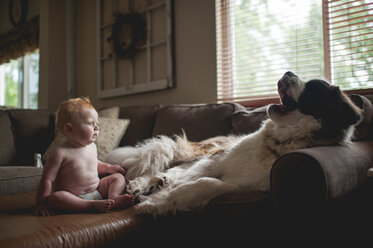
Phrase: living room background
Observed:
(63, 43)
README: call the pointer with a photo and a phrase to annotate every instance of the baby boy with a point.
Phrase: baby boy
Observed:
(70, 180)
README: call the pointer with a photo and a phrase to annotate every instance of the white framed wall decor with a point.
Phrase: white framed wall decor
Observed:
(135, 52)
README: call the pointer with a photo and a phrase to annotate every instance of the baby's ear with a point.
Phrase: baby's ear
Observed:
(68, 127)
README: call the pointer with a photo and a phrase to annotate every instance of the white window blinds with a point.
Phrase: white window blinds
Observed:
(349, 42)
(259, 40)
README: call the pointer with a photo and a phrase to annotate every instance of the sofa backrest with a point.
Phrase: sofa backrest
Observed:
(24, 132)
(142, 119)
(7, 147)
(364, 130)
(199, 121)
(33, 131)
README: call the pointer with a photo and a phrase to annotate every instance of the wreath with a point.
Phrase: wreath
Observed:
(128, 31)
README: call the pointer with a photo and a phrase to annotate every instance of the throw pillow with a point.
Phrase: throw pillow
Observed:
(111, 132)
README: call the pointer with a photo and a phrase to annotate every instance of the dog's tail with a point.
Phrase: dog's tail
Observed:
(151, 156)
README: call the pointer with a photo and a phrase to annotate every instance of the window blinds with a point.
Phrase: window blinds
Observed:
(259, 40)
(348, 27)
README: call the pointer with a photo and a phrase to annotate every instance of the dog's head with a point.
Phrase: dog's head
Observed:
(316, 98)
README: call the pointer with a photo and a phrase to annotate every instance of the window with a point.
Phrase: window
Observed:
(19, 82)
(259, 40)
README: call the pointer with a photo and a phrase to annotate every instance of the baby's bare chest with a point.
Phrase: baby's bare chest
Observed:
(80, 162)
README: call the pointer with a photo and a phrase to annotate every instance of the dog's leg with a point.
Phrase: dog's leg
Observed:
(172, 177)
(194, 194)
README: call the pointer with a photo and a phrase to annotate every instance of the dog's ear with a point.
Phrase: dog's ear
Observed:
(347, 112)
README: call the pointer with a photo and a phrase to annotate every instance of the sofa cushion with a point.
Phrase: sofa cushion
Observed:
(18, 179)
(249, 120)
(33, 131)
(7, 149)
(199, 121)
(142, 119)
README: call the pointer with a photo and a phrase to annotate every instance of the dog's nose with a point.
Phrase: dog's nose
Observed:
(289, 74)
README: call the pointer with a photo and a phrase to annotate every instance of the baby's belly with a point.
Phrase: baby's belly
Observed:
(77, 185)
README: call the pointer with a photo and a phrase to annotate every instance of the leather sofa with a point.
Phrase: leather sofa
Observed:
(307, 185)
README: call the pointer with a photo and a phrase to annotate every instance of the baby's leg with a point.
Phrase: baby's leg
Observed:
(112, 187)
(66, 201)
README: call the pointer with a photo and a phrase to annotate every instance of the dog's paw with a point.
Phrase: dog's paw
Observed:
(159, 181)
(146, 186)
(133, 188)
(139, 186)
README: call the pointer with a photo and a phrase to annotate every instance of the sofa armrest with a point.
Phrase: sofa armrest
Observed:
(312, 176)
(19, 179)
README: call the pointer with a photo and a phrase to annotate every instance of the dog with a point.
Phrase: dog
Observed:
(170, 175)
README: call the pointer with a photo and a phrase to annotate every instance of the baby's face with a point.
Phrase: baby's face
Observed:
(85, 127)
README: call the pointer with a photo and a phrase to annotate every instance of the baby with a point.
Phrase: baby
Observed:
(70, 179)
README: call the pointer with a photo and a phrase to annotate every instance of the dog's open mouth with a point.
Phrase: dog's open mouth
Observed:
(287, 105)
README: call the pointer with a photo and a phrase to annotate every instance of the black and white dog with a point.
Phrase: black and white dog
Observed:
(312, 113)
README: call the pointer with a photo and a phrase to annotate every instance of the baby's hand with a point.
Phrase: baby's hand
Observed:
(116, 169)
(43, 210)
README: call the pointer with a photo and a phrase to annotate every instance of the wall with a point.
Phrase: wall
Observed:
(52, 43)
(194, 51)
(5, 24)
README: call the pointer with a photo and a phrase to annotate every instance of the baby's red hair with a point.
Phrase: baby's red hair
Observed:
(69, 109)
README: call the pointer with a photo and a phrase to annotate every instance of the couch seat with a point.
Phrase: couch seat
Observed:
(119, 228)
(20, 228)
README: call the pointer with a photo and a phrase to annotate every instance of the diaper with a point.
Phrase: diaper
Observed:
(95, 195)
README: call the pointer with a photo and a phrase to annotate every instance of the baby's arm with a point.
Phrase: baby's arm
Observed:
(50, 172)
(104, 168)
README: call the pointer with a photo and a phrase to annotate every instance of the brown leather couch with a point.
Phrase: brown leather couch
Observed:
(307, 185)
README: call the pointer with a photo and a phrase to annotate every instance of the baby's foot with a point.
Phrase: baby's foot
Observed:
(123, 201)
(103, 206)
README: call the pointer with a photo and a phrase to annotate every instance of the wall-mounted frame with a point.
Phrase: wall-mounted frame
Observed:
(151, 68)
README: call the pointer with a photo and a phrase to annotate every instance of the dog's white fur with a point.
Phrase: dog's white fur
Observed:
(182, 175)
